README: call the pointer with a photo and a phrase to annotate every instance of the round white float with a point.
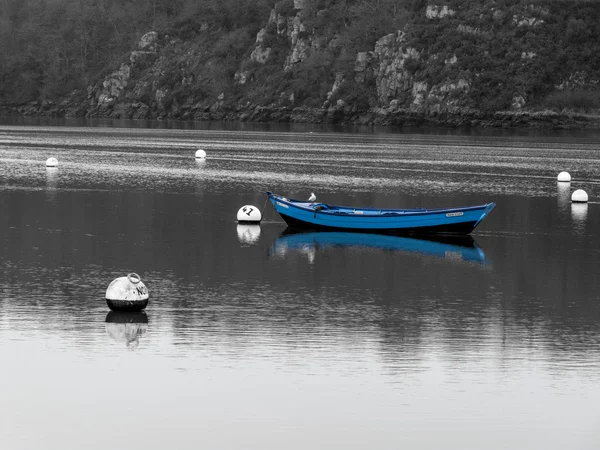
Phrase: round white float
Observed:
(579, 196)
(127, 293)
(564, 177)
(51, 162)
(249, 214)
(248, 233)
(200, 154)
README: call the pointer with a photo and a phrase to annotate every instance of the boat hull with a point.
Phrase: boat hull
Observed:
(453, 228)
(312, 216)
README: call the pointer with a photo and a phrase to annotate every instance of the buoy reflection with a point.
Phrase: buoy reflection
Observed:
(126, 327)
(248, 234)
(563, 194)
(51, 182)
(51, 177)
(579, 215)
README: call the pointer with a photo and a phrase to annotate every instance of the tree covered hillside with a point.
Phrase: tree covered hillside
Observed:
(50, 47)
(540, 53)
(299, 60)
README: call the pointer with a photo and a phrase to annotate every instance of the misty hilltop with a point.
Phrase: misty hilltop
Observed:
(456, 63)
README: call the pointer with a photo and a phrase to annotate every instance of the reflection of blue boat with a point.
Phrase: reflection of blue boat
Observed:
(322, 216)
(461, 248)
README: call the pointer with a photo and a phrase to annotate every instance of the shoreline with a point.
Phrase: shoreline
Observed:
(306, 115)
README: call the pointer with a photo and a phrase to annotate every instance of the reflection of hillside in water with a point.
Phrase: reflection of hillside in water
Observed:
(126, 327)
(359, 296)
(400, 326)
(451, 248)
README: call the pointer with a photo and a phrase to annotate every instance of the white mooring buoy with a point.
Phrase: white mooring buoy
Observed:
(249, 214)
(200, 154)
(51, 162)
(579, 196)
(127, 293)
(564, 177)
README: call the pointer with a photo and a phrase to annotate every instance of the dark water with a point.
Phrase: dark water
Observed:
(260, 339)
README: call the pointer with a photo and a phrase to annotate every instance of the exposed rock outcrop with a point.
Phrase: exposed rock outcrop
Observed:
(300, 46)
(111, 88)
(438, 12)
(397, 85)
(578, 80)
(391, 55)
(299, 41)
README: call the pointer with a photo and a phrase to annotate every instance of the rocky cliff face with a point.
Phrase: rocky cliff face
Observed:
(397, 86)
(115, 94)
(437, 69)
(387, 65)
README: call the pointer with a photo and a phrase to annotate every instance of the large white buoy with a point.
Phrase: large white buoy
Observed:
(248, 233)
(51, 162)
(127, 293)
(200, 154)
(579, 196)
(564, 177)
(249, 214)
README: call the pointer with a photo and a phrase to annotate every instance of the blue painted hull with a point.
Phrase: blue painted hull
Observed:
(321, 216)
(454, 248)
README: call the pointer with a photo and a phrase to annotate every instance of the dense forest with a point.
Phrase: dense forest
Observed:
(299, 60)
(51, 47)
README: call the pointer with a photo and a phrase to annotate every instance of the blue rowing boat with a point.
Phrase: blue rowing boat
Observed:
(453, 248)
(322, 216)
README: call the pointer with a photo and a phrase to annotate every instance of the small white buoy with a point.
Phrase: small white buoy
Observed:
(127, 293)
(312, 197)
(51, 162)
(248, 233)
(249, 214)
(564, 177)
(200, 154)
(579, 196)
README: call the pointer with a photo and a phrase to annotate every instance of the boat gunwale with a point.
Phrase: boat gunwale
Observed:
(366, 212)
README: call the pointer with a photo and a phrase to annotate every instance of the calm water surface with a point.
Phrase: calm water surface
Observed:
(256, 338)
